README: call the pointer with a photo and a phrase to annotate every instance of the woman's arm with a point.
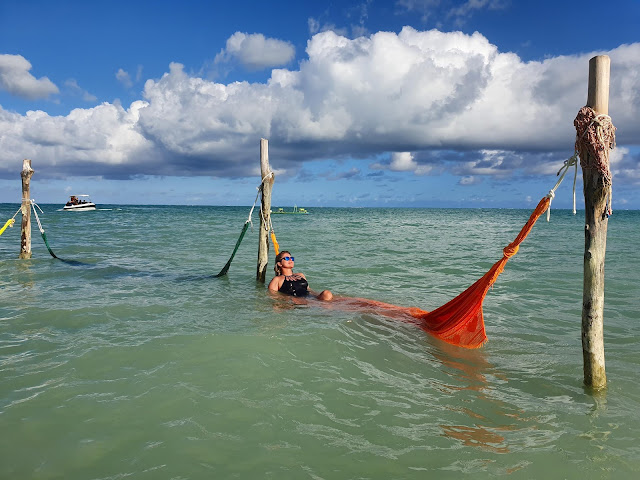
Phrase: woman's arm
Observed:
(276, 283)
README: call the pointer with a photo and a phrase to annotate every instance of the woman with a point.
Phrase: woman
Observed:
(290, 283)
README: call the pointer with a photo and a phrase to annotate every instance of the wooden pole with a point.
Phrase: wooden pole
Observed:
(267, 184)
(25, 230)
(596, 193)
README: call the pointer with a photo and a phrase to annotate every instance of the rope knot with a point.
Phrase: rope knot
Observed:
(510, 250)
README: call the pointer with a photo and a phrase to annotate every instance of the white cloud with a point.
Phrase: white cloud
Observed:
(489, 162)
(404, 162)
(124, 78)
(16, 79)
(468, 180)
(255, 51)
(75, 89)
(426, 7)
(314, 25)
(625, 167)
(484, 111)
(461, 12)
(102, 139)
(458, 12)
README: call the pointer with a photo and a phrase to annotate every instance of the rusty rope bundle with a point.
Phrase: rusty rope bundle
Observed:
(595, 136)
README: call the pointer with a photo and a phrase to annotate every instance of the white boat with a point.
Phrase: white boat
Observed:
(79, 203)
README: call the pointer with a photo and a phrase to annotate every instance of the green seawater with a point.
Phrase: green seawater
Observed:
(137, 364)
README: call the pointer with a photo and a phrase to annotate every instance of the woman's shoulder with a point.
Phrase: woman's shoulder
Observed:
(276, 282)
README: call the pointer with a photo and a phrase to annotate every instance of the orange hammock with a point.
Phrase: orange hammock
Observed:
(460, 321)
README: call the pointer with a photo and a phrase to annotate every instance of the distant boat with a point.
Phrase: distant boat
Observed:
(79, 203)
(296, 210)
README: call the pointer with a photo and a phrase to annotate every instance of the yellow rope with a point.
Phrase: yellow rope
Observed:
(9, 223)
(276, 247)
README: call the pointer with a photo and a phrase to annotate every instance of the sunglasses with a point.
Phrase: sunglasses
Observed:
(287, 258)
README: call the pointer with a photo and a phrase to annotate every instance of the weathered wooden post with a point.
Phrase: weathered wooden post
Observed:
(267, 184)
(25, 231)
(597, 191)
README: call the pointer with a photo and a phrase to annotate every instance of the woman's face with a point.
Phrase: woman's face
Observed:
(286, 263)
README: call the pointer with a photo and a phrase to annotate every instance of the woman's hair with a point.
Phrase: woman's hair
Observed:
(276, 268)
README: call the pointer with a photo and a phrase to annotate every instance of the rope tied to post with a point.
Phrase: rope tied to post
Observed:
(268, 224)
(595, 136)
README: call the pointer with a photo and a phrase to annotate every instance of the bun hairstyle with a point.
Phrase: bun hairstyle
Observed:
(277, 268)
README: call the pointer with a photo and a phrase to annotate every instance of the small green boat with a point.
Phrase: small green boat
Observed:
(296, 210)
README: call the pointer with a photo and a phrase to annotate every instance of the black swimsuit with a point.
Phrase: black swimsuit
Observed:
(294, 285)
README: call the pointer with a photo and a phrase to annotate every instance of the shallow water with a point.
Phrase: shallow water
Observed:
(138, 364)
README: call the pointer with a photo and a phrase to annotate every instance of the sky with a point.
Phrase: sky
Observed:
(396, 103)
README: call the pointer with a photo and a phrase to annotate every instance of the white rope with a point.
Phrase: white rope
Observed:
(270, 174)
(34, 205)
(597, 119)
(254, 206)
(259, 188)
(17, 212)
(572, 161)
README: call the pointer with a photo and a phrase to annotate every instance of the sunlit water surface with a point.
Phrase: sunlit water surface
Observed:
(137, 364)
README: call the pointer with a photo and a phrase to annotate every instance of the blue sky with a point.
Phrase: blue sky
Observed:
(426, 103)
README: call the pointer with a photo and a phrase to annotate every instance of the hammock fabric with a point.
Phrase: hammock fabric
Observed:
(460, 321)
(225, 269)
(44, 237)
(46, 242)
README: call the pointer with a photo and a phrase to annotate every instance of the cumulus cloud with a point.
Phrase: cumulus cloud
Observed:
(255, 51)
(625, 166)
(441, 101)
(16, 79)
(403, 162)
(103, 139)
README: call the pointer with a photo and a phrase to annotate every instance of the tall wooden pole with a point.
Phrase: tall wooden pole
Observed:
(267, 184)
(25, 230)
(596, 193)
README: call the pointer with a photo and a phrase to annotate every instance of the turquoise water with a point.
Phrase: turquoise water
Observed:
(139, 365)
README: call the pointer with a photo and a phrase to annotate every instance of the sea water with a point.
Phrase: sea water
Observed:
(136, 363)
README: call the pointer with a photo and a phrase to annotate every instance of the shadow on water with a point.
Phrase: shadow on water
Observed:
(469, 371)
(75, 263)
